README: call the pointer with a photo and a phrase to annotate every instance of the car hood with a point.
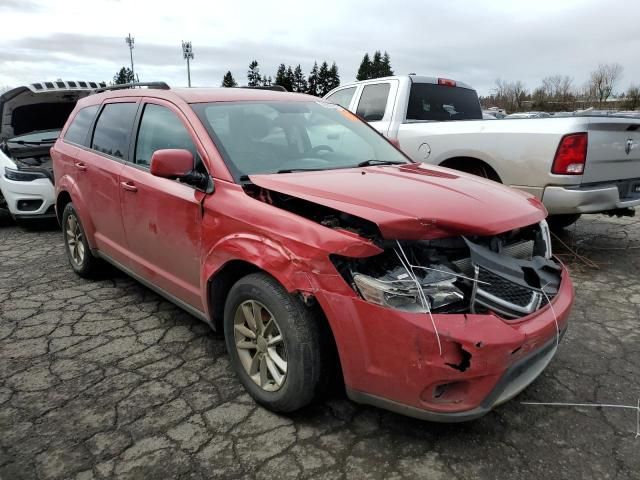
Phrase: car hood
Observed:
(26, 109)
(414, 201)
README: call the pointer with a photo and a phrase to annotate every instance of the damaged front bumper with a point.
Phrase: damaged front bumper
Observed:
(391, 359)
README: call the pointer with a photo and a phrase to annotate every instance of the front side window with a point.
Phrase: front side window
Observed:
(285, 136)
(373, 101)
(342, 97)
(79, 128)
(160, 129)
(113, 129)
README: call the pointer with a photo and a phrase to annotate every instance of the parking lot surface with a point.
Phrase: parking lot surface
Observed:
(104, 379)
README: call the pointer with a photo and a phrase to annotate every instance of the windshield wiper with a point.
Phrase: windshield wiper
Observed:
(292, 170)
(26, 142)
(368, 163)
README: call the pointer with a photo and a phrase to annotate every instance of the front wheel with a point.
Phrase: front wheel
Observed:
(78, 252)
(274, 342)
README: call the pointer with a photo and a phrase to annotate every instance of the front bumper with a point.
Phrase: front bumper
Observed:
(33, 199)
(591, 198)
(391, 359)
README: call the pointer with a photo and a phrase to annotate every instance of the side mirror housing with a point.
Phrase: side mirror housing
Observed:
(171, 163)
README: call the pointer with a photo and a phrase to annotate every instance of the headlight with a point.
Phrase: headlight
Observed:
(402, 293)
(22, 175)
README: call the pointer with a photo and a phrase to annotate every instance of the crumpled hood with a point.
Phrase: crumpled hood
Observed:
(414, 201)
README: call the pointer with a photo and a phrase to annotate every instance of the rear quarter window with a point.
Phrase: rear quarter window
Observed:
(113, 129)
(428, 101)
(78, 130)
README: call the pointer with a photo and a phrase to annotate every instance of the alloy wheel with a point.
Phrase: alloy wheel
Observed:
(260, 345)
(75, 240)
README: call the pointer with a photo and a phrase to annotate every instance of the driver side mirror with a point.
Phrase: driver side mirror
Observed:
(171, 163)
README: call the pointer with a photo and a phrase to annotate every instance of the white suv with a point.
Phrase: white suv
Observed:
(31, 119)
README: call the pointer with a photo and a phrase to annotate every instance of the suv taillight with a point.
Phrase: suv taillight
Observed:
(571, 155)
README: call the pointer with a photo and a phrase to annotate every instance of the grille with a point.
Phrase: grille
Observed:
(505, 297)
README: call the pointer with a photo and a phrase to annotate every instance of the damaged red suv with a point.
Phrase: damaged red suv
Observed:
(316, 246)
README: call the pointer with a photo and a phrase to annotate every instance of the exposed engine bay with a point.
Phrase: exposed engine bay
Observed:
(511, 274)
(30, 157)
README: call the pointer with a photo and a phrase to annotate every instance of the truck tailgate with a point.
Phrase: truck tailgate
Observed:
(614, 150)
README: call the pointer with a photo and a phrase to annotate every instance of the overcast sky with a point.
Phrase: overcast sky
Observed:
(472, 41)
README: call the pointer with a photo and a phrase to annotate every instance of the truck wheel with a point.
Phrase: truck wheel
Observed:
(558, 222)
(274, 342)
(78, 252)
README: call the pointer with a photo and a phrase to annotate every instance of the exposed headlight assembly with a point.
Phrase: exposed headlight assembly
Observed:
(398, 290)
(23, 175)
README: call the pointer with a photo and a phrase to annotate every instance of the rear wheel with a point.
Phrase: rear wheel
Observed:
(78, 252)
(558, 222)
(274, 342)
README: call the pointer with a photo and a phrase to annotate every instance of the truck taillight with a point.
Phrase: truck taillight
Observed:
(571, 155)
(446, 82)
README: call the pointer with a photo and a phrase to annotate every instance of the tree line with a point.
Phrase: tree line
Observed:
(321, 79)
(559, 93)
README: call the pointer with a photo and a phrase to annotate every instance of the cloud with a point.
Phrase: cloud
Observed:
(461, 40)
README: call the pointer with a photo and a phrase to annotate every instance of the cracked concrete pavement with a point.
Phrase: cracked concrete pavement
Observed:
(104, 379)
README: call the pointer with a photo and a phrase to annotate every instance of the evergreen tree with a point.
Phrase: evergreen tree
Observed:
(376, 65)
(334, 78)
(312, 83)
(280, 75)
(228, 80)
(387, 71)
(299, 82)
(323, 79)
(365, 68)
(253, 75)
(124, 75)
(289, 79)
(267, 81)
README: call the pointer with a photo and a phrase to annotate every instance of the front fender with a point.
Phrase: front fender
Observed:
(67, 184)
(264, 253)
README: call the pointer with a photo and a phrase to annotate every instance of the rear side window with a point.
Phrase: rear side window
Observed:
(342, 97)
(373, 101)
(160, 128)
(113, 129)
(79, 128)
(428, 101)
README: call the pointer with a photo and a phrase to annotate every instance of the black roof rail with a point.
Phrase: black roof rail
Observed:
(157, 85)
(275, 88)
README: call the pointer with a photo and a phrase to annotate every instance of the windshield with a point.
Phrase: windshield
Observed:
(286, 136)
(428, 101)
(44, 136)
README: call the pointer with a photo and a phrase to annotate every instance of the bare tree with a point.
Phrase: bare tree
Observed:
(603, 79)
(4, 88)
(632, 97)
(510, 95)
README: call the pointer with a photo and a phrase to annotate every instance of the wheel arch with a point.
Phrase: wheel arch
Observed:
(471, 165)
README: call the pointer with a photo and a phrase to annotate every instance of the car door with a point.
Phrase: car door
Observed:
(162, 217)
(375, 104)
(98, 173)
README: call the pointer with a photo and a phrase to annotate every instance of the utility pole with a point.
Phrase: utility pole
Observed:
(129, 41)
(187, 53)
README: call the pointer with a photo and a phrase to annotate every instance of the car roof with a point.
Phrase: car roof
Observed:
(201, 95)
(412, 77)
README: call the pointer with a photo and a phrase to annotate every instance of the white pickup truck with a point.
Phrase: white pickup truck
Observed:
(575, 165)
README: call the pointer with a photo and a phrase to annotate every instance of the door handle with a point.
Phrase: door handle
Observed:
(129, 186)
(81, 166)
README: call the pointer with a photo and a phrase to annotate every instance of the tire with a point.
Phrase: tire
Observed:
(301, 347)
(75, 241)
(5, 215)
(558, 222)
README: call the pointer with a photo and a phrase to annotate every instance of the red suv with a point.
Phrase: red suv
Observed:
(316, 246)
